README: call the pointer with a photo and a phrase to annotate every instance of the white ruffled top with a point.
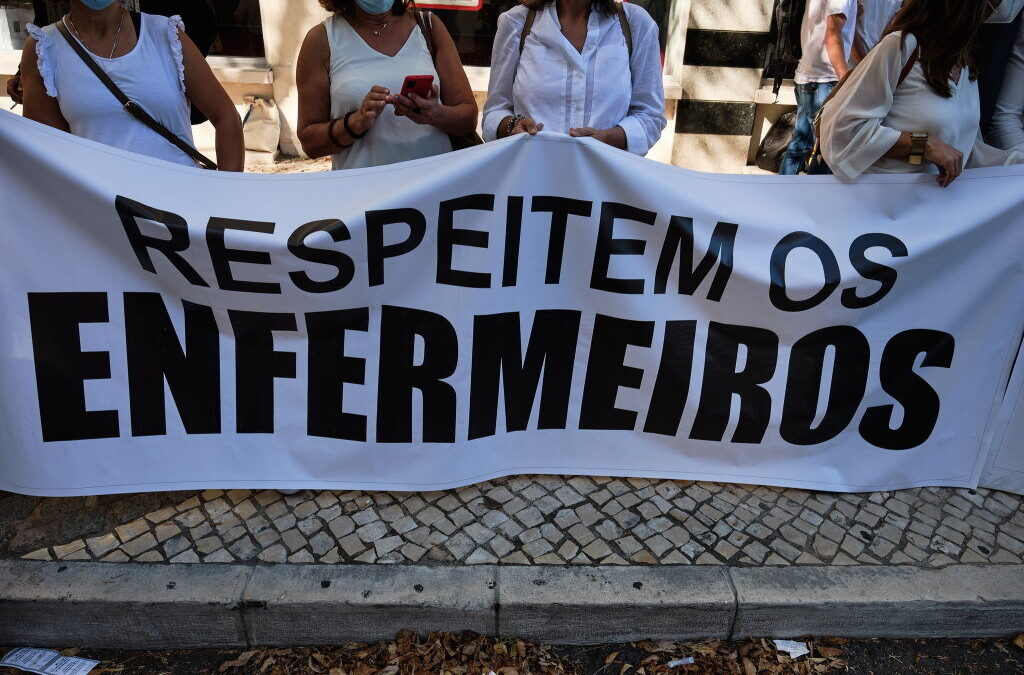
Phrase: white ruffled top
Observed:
(152, 74)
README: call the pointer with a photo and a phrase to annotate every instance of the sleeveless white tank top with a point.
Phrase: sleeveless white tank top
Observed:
(355, 68)
(152, 74)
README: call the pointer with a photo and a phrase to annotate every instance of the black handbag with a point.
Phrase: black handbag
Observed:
(130, 106)
(776, 142)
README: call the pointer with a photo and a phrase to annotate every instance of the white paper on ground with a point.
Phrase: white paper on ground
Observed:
(70, 665)
(47, 662)
(792, 647)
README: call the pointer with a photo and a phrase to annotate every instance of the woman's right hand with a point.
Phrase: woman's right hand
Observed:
(949, 160)
(363, 119)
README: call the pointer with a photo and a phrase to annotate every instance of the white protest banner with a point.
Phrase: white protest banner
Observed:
(536, 305)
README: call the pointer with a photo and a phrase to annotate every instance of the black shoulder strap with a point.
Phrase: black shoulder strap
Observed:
(130, 106)
(531, 16)
(137, 22)
(627, 32)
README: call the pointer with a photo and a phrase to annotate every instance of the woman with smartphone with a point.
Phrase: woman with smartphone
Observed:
(375, 89)
(577, 67)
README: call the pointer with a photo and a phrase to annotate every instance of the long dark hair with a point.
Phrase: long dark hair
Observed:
(946, 31)
(346, 7)
(603, 6)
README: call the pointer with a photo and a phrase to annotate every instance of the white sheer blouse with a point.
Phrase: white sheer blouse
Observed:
(868, 113)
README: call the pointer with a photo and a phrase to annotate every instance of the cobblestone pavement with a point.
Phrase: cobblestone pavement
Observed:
(552, 520)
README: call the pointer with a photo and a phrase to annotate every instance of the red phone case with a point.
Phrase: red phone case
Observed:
(417, 84)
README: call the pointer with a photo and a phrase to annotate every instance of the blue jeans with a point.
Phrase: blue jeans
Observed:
(809, 98)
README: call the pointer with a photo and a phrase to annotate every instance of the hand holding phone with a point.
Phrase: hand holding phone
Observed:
(417, 84)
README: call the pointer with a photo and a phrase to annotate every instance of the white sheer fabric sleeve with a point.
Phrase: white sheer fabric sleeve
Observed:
(983, 154)
(853, 136)
(504, 63)
(1007, 127)
(645, 119)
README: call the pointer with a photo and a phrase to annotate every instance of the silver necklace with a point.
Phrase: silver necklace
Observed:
(382, 27)
(116, 35)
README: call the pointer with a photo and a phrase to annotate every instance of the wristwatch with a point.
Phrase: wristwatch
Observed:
(918, 139)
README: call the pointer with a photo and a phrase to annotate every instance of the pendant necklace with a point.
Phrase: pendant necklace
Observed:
(382, 26)
(116, 35)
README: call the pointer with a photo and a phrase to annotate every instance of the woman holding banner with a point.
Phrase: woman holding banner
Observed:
(150, 60)
(578, 67)
(912, 105)
(353, 66)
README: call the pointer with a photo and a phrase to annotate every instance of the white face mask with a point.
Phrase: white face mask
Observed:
(1006, 11)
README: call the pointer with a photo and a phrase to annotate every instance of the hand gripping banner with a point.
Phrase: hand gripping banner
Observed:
(535, 305)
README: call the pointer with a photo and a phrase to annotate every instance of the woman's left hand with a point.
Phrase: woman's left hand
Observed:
(615, 137)
(420, 110)
(596, 134)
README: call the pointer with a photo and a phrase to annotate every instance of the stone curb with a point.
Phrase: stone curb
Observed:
(143, 606)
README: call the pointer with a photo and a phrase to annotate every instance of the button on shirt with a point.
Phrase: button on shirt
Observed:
(602, 87)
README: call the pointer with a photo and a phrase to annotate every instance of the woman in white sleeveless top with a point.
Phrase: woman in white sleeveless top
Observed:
(157, 66)
(350, 70)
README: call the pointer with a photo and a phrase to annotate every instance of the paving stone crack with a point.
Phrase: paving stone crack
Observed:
(735, 602)
(243, 620)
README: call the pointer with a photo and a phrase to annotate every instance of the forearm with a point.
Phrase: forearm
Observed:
(316, 138)
(836, 53)
(615, 137)
(315, 141)
(901, 148)
(230, 143)
(457, 119)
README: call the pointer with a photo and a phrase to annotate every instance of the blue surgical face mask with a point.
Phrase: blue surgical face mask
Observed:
(1006, 11)
(97, 5)
(375, 6)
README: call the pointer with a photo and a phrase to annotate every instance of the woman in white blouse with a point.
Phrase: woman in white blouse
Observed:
(576, 74)
(928, 122)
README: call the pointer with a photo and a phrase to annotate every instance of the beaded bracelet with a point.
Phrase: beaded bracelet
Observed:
(512, 122)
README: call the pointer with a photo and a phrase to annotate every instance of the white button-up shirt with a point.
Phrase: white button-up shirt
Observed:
(602, 87)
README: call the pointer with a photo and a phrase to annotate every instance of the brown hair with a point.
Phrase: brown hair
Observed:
(347, 6)
(603, 6)
(946, 32)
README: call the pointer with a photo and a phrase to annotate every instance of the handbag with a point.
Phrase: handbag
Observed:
(130, 106)
(459, 141)
(776, 142)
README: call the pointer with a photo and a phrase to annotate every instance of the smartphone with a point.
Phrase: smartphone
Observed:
(417, 84)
